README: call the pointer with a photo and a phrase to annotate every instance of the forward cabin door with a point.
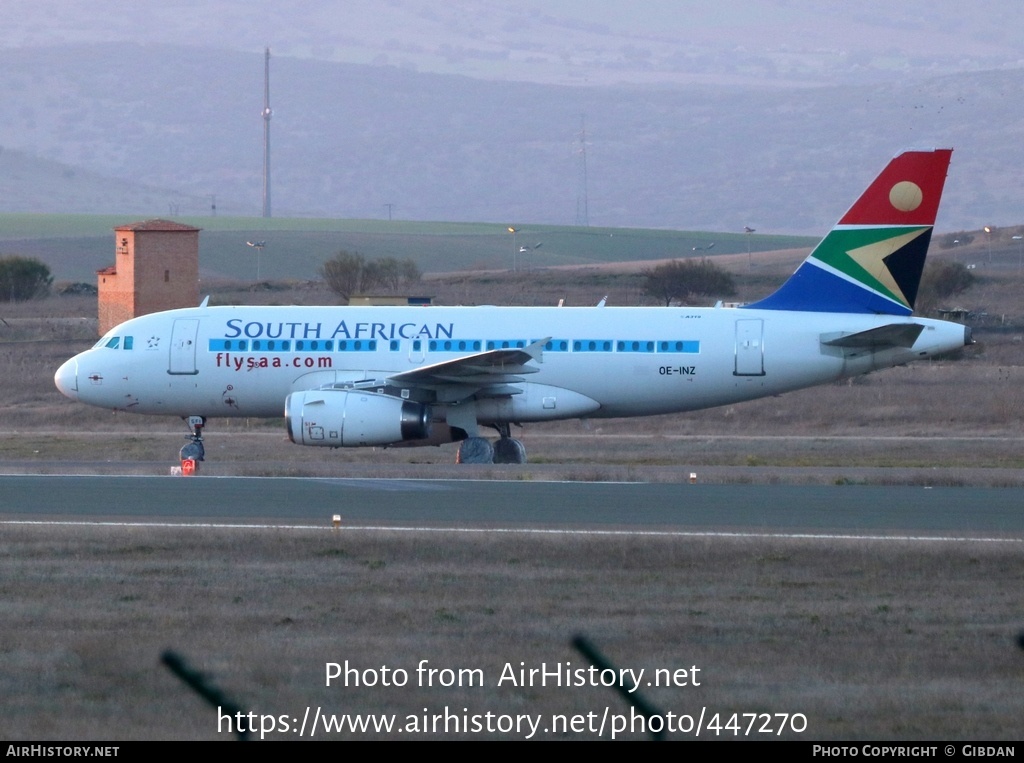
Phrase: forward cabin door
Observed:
(183, 346)
(749, 347)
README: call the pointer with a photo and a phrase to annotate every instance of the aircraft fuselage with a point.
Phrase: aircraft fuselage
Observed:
(596, 362)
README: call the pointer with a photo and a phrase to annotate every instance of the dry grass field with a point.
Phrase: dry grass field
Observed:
(868, 639)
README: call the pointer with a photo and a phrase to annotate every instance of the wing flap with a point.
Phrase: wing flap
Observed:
(483, 379)
(484, 374)
(493, 366)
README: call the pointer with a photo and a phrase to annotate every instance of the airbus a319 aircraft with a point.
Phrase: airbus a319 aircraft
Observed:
(380, 376)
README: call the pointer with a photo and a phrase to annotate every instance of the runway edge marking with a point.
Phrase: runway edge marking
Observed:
(519, 531)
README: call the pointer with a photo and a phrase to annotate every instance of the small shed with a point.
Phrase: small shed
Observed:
(156, 267)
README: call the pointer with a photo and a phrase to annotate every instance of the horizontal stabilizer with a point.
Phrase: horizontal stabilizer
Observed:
(892, 335)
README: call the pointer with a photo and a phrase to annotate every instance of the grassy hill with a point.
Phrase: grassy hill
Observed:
(76, 246)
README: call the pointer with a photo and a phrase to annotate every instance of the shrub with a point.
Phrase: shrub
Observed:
(946, 279)
(685, 279)
(951, 240)
(78, 289)
(23, 278)
(349, 273)
(343, 273)
(941, 280)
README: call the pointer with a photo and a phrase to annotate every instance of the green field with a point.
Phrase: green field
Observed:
(76, 246)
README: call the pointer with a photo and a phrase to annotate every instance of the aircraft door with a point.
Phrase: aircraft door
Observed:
(749, 347)
(183, 346)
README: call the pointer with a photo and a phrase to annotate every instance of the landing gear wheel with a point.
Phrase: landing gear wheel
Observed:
(475, 450)
(509, 451)
(193, 449)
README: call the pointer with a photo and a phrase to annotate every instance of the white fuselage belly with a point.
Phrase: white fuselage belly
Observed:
(629, 361)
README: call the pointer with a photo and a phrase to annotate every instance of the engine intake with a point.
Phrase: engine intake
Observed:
(349, 419)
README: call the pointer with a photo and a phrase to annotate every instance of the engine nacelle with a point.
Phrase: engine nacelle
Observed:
(349, 418)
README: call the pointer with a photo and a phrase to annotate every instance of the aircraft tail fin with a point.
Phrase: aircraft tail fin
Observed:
(871, 261)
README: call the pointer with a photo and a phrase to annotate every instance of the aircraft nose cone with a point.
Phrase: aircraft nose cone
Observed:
(66, 379)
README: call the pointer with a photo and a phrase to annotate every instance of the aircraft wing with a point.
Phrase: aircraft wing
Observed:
(484, 374)
(891, 335)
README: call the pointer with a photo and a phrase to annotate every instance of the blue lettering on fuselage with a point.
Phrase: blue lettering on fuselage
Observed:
(272, 330)
(393, 330)
(237, 328)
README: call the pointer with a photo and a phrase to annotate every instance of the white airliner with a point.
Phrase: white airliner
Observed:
(377, 376)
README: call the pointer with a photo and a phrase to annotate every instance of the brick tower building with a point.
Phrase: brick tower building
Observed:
(156, 267)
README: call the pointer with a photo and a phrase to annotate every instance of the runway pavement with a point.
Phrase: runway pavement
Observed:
(783, 509)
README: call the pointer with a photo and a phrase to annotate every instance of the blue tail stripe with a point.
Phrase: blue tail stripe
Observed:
(814, 289)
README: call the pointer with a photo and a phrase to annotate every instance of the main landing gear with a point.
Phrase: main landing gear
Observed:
(478, 450)
(193, 452)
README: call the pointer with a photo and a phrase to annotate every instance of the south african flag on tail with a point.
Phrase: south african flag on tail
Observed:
(871, 261)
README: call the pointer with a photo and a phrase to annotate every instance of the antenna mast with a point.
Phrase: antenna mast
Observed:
(267, 113)
(582, 205)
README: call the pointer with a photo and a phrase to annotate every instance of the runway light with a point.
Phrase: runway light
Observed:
(336, 521)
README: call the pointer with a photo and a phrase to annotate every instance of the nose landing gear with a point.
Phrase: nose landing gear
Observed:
(193, 452)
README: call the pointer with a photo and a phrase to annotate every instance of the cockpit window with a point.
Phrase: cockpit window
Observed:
(114, 342)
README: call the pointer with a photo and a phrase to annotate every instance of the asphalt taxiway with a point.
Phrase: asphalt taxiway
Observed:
(853, 509)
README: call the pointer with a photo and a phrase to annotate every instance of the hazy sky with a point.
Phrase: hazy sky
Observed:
(345, 147)
(566, 41)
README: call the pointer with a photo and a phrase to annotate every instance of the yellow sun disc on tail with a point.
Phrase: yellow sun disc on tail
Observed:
(906, 196)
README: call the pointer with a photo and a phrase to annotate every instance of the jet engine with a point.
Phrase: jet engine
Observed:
(349, 418)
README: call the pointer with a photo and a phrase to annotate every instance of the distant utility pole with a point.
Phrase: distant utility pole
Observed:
(267, 113)
(582, 210)
(389, 206)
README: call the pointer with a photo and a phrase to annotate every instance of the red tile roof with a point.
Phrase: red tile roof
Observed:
(164, 225)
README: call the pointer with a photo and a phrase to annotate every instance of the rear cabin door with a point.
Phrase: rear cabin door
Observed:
(749, 347)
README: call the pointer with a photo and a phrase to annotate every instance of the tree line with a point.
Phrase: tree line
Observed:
(349, 273)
